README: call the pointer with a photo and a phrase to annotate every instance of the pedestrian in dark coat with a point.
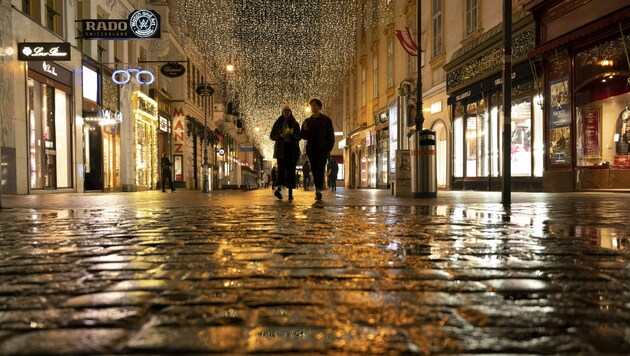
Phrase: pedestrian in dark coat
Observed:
(333, 169)
(286, 134)
(274, 177)
(306, 172)
(166, 164)
(319, 134)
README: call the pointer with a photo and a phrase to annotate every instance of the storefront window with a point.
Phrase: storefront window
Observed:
(521, 146)
(146, 140)
(603, 106)
(496, 142)
(471, 146)
(483, 144)
(49, 137)
(539, 147)
(458, 158)
(382, 157)
(603, 132)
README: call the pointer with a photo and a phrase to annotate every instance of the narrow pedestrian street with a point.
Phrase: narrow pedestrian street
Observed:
(361, 272)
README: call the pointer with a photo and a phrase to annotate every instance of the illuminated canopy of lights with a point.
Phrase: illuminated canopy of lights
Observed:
(284, 52)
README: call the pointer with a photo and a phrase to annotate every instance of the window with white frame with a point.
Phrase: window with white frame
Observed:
(472, 17)
(363, 86)
(390, 62)
(375, 76)
(54, 16)
(436, 43)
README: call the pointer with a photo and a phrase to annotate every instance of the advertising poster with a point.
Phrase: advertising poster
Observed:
(590, 131)
(560, 123)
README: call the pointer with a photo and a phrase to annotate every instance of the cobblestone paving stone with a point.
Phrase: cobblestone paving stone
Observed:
(360, 273)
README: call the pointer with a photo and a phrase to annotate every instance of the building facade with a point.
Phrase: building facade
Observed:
(582, 60)
(100, 118)
(555, 44)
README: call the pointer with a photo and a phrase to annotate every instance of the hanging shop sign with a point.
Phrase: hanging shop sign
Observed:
(139, 24)
(123, 76)
(42, 51)
(204, 90)
(173, 70)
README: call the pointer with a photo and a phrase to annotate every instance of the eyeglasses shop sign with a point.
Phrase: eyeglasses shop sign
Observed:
(44, 51)
(140, 24)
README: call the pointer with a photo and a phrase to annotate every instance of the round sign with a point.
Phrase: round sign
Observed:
(221, 152)
(204, 90)
(143, 23)
(173, 70)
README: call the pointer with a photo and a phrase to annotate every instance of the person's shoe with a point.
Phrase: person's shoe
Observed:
(163, 191)
(172, 189)
(318, 196)
(278, 194)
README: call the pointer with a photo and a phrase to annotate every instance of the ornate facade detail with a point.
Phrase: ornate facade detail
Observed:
(490, 61)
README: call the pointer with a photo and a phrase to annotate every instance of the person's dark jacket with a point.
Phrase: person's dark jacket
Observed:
(319, 135)
(166, 164)
(294, 138)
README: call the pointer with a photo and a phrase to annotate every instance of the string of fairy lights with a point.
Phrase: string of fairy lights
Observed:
(284, 51)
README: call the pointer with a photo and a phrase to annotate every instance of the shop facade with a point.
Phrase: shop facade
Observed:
(50, 126)
(370, 152)
(165, 127)
(146, 122)
(101, 130)
(474, 86)
(585, 70)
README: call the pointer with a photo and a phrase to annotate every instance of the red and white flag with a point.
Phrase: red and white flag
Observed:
(406, 40)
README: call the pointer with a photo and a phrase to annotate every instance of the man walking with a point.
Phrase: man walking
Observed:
(319, 134)
(166, 173)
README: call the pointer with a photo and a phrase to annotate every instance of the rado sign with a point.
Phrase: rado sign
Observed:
(140, 24)
(173, 70)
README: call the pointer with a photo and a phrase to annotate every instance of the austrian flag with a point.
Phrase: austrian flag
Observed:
(406, 40)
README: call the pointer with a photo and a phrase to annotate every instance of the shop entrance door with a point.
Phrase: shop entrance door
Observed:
(93, 157)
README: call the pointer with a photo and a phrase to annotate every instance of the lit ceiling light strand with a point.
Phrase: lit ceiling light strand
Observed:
(285, 51)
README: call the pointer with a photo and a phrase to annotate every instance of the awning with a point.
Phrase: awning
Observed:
(581, 32)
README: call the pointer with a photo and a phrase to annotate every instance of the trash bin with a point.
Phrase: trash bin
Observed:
(423, 165)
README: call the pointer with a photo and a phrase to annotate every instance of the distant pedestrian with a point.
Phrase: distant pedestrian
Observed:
(274, 176)
(166, 172)
(306, 172)
(333, 169)
(286, 150)
(319, 134)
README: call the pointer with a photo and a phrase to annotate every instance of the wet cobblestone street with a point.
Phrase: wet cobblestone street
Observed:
(361, 272)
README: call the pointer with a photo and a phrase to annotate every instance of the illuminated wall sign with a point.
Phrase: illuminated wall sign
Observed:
(140, 24)
(103, 117)
(123, 76)
(436, 107)
(42, 51)
(173, 70)
(53, 71)
(6, 51)
(163, 124)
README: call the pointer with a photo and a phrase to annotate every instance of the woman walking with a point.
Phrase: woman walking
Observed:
(286, 150)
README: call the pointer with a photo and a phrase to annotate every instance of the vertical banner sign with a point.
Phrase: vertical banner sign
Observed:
(590, 131)
(560, 125)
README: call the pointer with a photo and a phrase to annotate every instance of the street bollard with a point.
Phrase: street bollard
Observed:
(423, 165)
